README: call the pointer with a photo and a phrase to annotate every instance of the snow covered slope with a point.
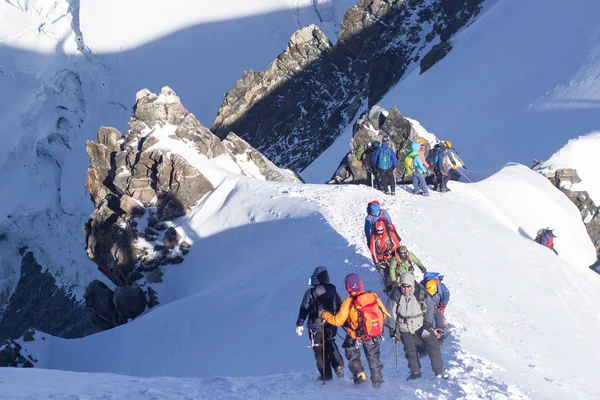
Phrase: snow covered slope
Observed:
(229, 309)
(518, 83)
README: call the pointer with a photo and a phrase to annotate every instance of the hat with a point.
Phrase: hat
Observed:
(431, 287)
(319, 277)
(385, 139)
(407, 279)
(374, 209)
(353, 284)
(421, 140)
(447, 144)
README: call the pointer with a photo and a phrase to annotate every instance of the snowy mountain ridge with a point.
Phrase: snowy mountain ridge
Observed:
(521, 318)
(503, 341)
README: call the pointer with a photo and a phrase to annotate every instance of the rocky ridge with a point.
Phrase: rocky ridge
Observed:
(565, 179)
(139, 187)
(294, 110)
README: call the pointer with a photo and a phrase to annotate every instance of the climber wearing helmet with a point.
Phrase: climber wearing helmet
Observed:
(385, 161)
(406, 260)
(422, 142)
(437, 289)
(384, 242)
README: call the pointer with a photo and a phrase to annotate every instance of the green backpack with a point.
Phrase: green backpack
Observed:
(409, 163)
(359, 153)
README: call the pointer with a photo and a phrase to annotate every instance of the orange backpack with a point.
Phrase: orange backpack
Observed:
(370, 317)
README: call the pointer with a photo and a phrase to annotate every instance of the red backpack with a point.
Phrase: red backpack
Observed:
(370, 317)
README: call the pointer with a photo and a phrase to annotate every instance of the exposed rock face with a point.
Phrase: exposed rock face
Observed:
(11, 356)
(38, 301)
(128, 179)
(564, 179)
(246, 154)
(139, 184)
(375, 123)
(293, 111)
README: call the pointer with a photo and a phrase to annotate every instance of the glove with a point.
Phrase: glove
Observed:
(423, 270)
(411, 268)
(299, 330)
(320, 313)
(386, 253)
(425, 334)
(442, 308)
(392, 333)
(439, 334)
(464, 166)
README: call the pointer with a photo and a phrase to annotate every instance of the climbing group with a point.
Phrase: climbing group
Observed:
(413, 314)
(380, 160)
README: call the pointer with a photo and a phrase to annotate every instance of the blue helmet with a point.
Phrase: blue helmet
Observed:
(385, 139)
(374, 209)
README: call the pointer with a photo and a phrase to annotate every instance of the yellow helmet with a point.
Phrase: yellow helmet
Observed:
(431, 287)
(447, 144)
(421, 140)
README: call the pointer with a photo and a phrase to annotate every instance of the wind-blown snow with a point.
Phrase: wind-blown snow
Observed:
(581, 154)
(229, 309)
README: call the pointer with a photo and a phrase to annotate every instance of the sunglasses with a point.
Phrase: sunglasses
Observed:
(379, 231)
(405, 286)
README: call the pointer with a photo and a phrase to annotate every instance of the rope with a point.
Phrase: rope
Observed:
(463, 174)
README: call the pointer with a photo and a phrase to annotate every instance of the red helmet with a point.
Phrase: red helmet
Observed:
(379, 227)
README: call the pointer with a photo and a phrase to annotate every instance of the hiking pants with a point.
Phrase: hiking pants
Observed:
(372, 352)
(442, 180)
(385, 269)
(388, 179)
(411, 340)
(333, 358)
(418, 182)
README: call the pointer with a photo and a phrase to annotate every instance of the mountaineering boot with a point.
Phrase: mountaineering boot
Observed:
(339, 372)
(377, 384)
(393, 193)
(359, 378)
(443, 375)
(425, 194)
(418, 192)
(445, 190)
(414, 376)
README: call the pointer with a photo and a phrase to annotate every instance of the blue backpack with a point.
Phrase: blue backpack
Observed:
(432, 275)
(385, 159)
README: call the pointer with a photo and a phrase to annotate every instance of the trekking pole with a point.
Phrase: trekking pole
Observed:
(323, 351)
(396, 344)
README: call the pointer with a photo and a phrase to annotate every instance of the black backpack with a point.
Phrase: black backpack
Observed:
(540, 235)
(317, 306)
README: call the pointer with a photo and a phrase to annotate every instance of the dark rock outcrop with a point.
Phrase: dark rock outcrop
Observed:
(294, 110)
(436, 53)
(11, 356)
(134, 176)
(99, 305)
(564, 179)
(38, 302)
